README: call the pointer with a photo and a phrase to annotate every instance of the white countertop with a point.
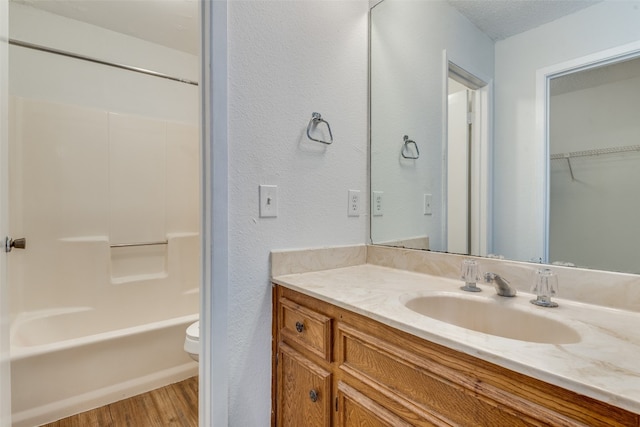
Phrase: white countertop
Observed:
(604, 365)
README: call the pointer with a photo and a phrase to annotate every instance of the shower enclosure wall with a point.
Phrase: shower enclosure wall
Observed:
(104, 186)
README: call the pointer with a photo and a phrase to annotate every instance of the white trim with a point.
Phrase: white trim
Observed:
(214, 380)
(543, 78)
(444, 144)
(5, 381)
(482, 202)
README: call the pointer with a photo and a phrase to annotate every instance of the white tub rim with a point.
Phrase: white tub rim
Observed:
(19, 352)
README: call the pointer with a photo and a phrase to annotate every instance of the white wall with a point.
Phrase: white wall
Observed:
(407, 43)
(55, 78)
(518, 157)
(582, 229)
(288, 59)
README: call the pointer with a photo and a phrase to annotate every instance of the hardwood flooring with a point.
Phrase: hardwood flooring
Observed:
(173, 405)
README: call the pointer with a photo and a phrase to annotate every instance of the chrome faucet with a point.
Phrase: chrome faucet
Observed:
(502, 286)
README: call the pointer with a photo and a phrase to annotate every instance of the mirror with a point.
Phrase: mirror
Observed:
(594, 151)
(422, 50)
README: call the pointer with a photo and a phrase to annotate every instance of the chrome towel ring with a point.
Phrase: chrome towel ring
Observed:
(406, 152)
(315, 119)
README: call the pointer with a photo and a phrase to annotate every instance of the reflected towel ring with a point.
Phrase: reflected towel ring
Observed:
(406, 153)
(315, 119)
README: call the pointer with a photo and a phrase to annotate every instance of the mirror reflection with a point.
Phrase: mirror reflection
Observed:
(462, 80)
(593, 144)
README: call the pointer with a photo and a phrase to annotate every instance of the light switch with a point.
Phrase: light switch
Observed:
(268, 201)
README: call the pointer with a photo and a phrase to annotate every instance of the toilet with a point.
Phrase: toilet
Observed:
(192, 340)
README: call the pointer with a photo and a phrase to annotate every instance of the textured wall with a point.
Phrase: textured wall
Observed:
(286, 60)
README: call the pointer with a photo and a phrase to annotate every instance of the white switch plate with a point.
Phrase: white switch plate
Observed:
(376, 200)
(354, 203)
(268, 201)
(427, 204)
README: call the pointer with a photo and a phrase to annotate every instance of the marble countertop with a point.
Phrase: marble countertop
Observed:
(604, 364)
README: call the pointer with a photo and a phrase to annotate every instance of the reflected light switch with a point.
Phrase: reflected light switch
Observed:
(427, 204)
(377, 203)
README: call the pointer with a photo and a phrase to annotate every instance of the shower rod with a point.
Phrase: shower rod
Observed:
(99, 61)
(127, 245)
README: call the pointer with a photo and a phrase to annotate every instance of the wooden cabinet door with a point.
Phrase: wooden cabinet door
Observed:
(304, 391)
(357, 410)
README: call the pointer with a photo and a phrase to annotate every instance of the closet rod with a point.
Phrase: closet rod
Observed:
(99, 61)
(596, 152)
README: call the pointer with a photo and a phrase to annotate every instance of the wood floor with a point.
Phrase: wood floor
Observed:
(173, 405)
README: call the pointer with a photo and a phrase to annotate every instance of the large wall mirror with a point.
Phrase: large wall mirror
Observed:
(485, 142)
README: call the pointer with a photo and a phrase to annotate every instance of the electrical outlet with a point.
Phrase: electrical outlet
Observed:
(354, 203)
(376, 200)
(268, 201)
(427, 204)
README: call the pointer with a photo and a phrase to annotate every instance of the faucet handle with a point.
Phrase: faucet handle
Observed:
(469, 273)
(545, 286)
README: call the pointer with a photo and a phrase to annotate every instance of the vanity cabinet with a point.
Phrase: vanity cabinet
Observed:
(334, 367)
(303, 369)
(305, 390)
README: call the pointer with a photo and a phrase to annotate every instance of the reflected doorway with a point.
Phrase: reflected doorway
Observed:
(466, 135)
(593, 167)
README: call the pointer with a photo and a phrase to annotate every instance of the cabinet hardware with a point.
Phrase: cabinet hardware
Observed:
(299, 327)
(313, 395)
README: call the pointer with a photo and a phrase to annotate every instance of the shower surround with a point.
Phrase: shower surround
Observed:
(101, 297)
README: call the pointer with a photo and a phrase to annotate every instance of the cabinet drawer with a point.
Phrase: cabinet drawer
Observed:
(305, 327)
(424, 387)
(358, 410)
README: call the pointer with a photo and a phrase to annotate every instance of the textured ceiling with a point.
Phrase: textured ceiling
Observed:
(500, 19)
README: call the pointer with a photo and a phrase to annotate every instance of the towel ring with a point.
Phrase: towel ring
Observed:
(406, 153)
(315, 119)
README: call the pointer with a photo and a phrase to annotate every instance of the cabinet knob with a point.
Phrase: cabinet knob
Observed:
(313, 395)
(299, 326)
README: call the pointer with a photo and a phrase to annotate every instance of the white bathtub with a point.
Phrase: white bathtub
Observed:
(69, 360)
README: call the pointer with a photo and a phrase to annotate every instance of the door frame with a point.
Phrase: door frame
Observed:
(213, 366)
(5, 372)
(481, 163)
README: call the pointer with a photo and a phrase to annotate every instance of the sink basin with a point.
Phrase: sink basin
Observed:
(488, 316)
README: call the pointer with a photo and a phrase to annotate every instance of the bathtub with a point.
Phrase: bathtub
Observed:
(69, 360)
